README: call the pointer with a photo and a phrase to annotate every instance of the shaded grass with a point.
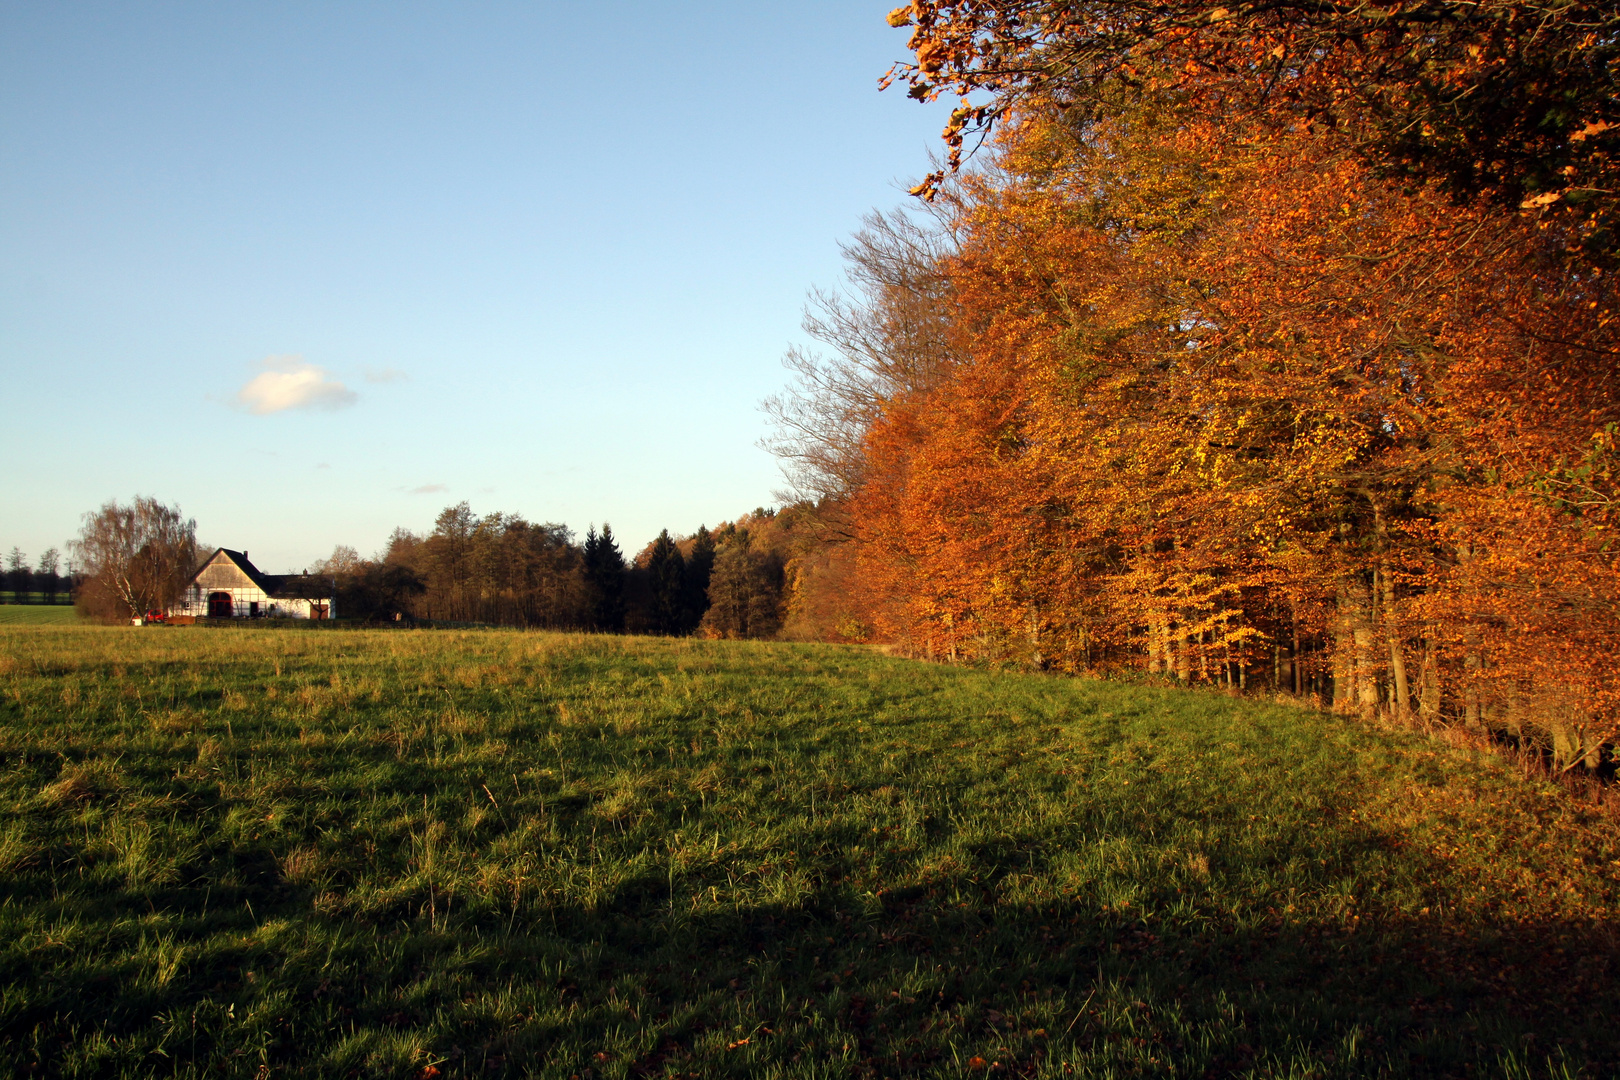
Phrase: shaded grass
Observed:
(394, 853)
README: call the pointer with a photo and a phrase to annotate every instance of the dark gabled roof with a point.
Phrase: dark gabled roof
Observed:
(262, 580)
(301, 587)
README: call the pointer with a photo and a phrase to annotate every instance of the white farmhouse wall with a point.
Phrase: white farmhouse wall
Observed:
(248, 599)
(195, 601)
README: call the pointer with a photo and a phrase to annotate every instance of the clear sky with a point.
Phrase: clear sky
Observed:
(314, 271)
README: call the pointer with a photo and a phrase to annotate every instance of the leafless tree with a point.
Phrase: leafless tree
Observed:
(343, 560)
(135, 558)
(49, 580)
(889, 336)
(20, 578)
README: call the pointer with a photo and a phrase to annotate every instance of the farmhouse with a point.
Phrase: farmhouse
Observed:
(229, 587)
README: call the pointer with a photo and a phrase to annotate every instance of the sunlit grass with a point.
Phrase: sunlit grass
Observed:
(396, 853)
(37, 615)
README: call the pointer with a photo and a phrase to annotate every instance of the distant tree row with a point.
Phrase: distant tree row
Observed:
(764, 575)
(505, 570)
(50, 580)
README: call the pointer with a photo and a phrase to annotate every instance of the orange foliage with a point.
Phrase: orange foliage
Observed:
(1229, 406)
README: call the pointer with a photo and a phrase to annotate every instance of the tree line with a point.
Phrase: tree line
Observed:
(497, 569)
(1269, 346)
(504, 570)
(49, 582)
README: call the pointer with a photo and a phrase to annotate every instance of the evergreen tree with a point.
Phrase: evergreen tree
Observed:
(699, 566)
(667, 571)
(604, 580)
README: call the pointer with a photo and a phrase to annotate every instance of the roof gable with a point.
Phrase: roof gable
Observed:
(227, 569)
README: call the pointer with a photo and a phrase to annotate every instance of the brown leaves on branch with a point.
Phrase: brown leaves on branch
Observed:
(1220, 393)
(1507, 100)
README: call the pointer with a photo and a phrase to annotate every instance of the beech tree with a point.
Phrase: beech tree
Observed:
(1223, 396)
(499, 568)
(1510, 101)
(889, 335)
(745, 590)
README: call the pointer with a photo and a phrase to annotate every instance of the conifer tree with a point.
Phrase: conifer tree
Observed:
(604, 580)
(699, 566)
(666, 570)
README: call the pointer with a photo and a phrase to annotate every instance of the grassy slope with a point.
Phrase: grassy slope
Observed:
(394, 853)
(37, 615)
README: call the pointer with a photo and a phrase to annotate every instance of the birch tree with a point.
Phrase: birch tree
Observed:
(136, 558)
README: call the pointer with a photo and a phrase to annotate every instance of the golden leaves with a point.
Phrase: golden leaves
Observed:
(1595, 127)
(1215, 369)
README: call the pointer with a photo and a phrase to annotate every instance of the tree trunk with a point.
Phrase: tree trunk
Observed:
(1366, 680)
(1354, 657)
(1402, 695)
(1294, 659)
(1429, 680)
(1344, 662)
(1473, 663)
(1566, 744)
(1569, 724)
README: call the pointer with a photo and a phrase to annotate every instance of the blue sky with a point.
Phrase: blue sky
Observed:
(316, 271)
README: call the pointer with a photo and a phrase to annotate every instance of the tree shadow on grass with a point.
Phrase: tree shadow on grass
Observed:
(913, 981)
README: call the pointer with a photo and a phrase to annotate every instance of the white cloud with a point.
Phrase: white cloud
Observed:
(429, 489)
(384, 375)
(289, 383)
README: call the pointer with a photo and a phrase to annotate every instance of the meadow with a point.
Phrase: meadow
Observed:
(38, 615)
(433, 854)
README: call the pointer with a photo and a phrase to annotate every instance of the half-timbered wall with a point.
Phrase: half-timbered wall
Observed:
(247, 599)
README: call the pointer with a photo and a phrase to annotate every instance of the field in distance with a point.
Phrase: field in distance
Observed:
(38, 615)
(434, 854)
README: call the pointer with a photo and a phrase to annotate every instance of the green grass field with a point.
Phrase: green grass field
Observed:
(37, 615)
(423, 854)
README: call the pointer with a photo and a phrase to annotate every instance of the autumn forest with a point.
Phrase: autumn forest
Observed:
(1271, 346)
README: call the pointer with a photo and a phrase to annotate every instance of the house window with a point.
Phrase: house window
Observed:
(317, 611)
(220, 606)
(253, 609)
